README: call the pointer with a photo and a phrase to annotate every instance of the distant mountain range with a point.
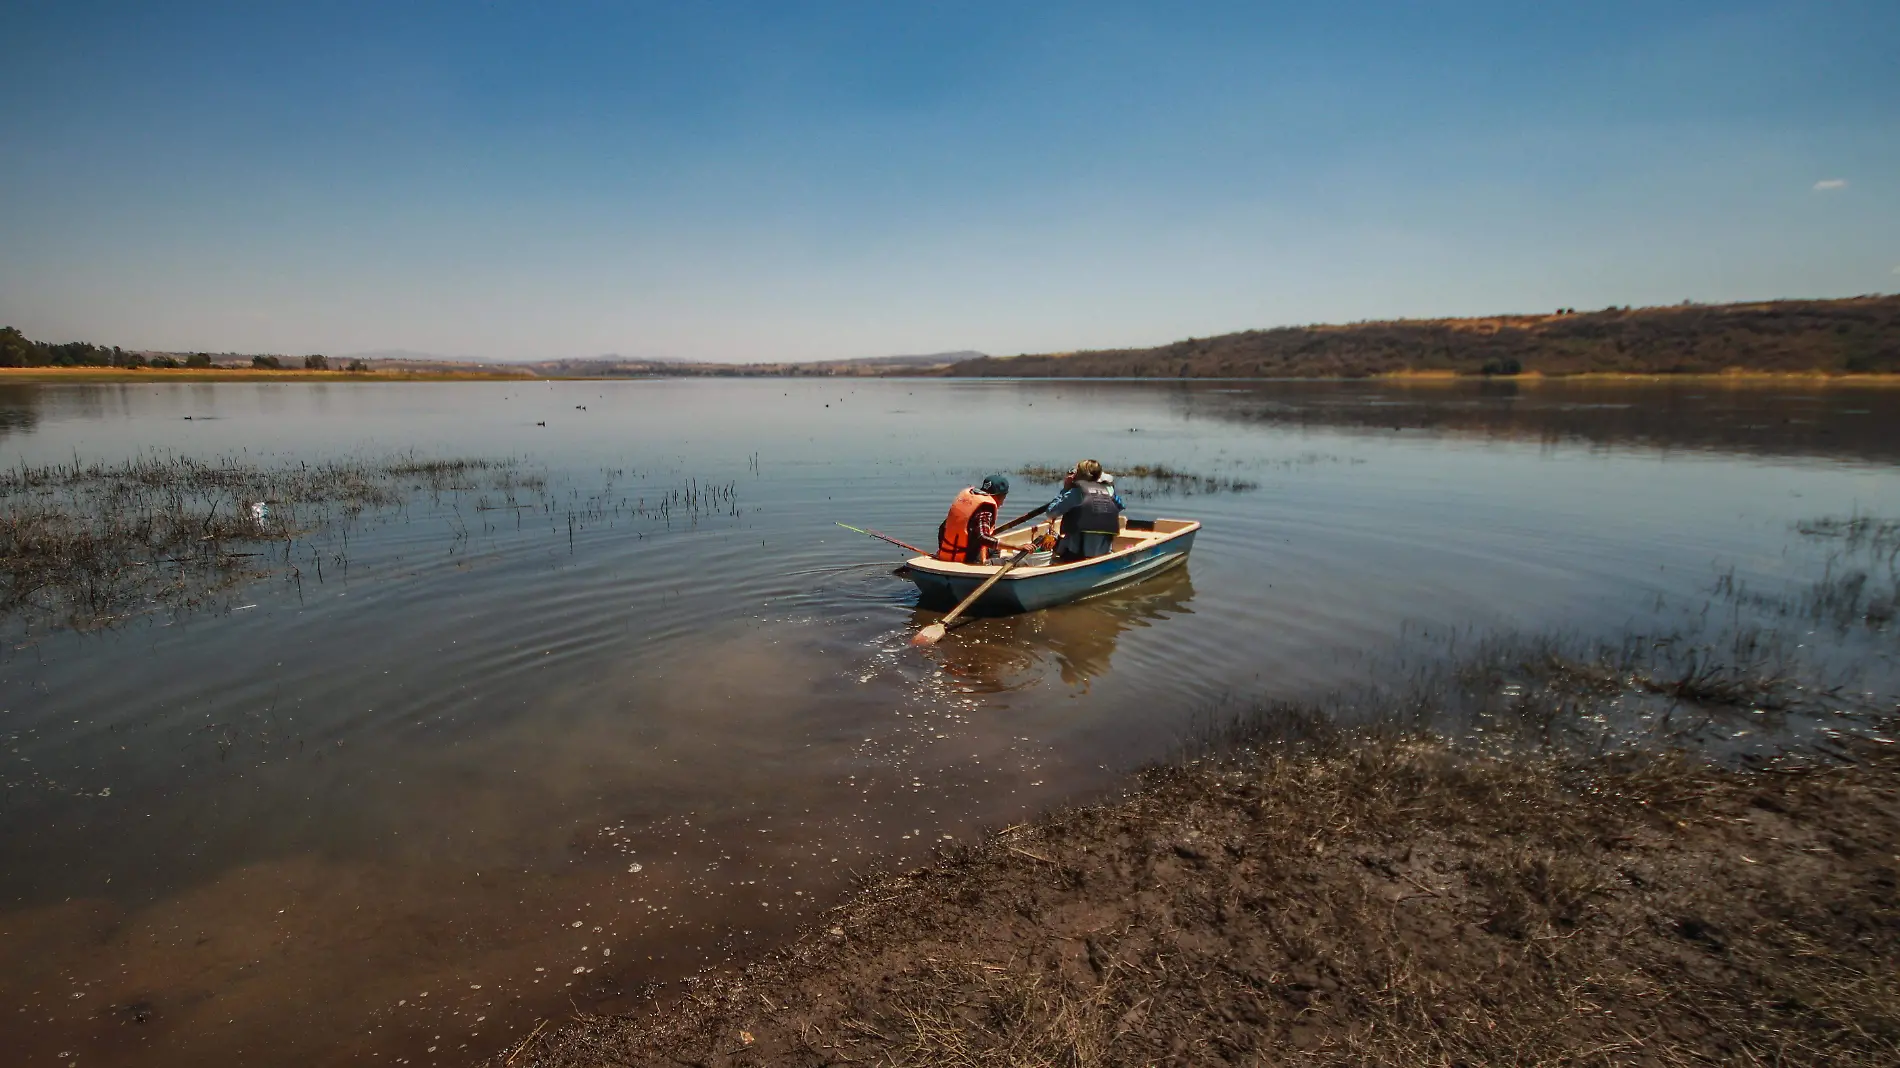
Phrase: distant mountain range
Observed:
(618, 366)
(935, 359)
(614, 365)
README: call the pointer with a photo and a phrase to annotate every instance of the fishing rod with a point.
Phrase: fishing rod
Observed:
(885, 537)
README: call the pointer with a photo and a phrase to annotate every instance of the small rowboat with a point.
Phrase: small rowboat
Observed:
(1144, 548)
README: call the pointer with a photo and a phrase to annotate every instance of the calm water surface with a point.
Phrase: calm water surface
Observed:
(489, 766)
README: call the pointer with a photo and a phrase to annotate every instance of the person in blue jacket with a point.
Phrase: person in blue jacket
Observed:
(1089, 511)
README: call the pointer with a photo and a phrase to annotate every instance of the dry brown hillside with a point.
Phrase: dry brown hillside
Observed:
(1857, 335)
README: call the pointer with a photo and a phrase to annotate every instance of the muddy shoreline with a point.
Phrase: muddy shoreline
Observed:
(1339, 896)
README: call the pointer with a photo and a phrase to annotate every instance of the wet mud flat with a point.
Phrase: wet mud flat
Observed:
(1302, 893)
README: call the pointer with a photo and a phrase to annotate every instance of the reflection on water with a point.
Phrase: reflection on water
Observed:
(1769, 417)
(991, 655)
(501, 766)
(18, 408)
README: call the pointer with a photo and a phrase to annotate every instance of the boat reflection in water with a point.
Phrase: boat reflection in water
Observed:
(1076, 640)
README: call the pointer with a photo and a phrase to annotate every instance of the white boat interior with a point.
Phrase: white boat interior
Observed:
(1138, 534)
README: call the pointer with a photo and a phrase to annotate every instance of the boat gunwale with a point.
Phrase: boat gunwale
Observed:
(951, 568)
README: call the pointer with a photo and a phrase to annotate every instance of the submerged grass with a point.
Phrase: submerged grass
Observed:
(1859, 587)
(89, 545)
(1880, 537)
(1144, 481)
(82, 545)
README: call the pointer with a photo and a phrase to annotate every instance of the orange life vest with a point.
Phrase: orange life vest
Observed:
(956, 539)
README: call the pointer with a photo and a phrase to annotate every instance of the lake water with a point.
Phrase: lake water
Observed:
(479, 766)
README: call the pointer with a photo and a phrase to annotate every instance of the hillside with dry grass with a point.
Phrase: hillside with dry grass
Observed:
(1859, 335)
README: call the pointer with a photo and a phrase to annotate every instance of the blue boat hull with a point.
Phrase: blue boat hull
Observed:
(1033, 589)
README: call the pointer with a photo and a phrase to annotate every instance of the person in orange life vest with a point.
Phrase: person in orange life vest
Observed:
(967, 535)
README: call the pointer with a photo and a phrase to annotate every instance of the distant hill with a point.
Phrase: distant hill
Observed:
(1857, 335)
(409, 356)
(617, 366)
(935, 359)
(17, 350)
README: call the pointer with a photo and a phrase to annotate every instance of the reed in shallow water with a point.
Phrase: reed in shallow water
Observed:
(1143, 481)
(86, 546)
(81, 545)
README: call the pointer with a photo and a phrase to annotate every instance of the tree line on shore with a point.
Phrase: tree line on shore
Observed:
(18, 350)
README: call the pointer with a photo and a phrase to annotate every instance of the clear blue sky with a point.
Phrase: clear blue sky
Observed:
(793, 181)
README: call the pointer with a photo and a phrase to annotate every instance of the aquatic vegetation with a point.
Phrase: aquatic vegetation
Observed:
(1859, 585)
(1879, 537)
(1143, 481)
(80, 544)
(1735, 694)
(85, 546)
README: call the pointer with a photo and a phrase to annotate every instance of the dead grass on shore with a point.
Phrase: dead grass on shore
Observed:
(1306, 894)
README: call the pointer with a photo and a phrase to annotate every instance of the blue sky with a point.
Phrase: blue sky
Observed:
(799, 181)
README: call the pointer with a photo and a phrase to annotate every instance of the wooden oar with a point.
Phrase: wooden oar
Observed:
(885, 537)
(1020, 520)
(934, 633)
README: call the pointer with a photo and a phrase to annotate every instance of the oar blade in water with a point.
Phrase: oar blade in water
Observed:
(933, 634)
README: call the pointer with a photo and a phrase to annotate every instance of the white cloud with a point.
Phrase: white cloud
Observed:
(1826, 184)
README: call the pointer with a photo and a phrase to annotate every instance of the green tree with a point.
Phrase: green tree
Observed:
(266, 363)
(198, 359)
(316, 363)
(16, 350)
(76, 354)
